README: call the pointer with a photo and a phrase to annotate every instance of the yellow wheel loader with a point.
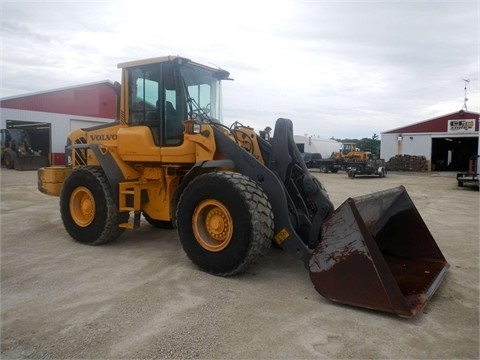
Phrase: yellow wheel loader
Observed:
(17, 153)
(230, 193)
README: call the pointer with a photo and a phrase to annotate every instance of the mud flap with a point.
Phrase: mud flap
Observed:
(376, 252)
(31, 162)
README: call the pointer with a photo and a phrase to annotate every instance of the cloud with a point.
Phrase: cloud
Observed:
(343, 69)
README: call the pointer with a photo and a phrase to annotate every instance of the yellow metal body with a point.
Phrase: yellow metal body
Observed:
(50, 179)
(146, 167)
(350, 151)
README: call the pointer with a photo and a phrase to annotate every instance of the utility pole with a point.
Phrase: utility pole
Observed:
(466, 99)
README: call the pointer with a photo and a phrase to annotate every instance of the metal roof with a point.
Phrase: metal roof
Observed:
(72, 87)
(436, 124)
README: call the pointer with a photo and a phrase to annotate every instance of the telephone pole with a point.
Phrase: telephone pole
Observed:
(466, 99)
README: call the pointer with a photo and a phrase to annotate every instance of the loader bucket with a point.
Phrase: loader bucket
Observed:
(377, 253)
(31, 162)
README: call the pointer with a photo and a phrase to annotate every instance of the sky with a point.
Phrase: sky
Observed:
(343, 69)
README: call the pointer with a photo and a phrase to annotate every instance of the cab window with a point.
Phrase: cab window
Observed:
(154, 102)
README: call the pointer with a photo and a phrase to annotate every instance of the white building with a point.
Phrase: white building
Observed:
(316, 145)
(447, 142)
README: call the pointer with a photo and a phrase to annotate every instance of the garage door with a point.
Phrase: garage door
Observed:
(453, 153)
(38, 132)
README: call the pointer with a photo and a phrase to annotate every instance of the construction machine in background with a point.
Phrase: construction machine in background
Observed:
(17, 152)
(357, 162)
(350, 151)
(354, 162)
(230, 193)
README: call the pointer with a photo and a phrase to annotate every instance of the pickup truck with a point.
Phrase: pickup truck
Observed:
(315, 161)
(312, 160)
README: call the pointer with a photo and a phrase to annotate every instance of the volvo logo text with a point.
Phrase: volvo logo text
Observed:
(103, 137)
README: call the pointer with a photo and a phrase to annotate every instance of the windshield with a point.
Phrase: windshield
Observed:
(204, 92)
(17, 136)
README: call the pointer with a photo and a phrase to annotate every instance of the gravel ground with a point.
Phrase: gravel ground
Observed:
(140, 297)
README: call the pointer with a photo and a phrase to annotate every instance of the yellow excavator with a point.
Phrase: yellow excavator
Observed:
(230, 193)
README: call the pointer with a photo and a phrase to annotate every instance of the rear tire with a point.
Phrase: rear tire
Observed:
(225, 222)
(89, 212)
(323, 169)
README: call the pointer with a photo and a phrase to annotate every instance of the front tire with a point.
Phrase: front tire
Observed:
(89, 212)
(323, 169)
(225, 222)
(9, 159)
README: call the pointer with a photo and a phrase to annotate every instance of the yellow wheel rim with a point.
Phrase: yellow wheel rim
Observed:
(82, 206)
(212, 225)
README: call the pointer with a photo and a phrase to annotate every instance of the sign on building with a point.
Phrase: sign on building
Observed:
(461, 126)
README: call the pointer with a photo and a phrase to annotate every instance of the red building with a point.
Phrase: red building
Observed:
(446, 141)
(49, 116)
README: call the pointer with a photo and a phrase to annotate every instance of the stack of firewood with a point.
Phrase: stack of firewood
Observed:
(407, 163)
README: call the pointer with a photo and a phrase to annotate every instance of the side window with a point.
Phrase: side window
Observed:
(155, 101)
(144, 95)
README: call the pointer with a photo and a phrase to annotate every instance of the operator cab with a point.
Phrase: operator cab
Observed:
(348, 148)
(15, 140)
(163, 92)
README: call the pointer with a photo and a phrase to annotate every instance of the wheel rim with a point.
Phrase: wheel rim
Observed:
(212, 225)
(82, 206)
(8, 161)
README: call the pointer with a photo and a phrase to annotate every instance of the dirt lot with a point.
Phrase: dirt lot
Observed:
(140, 297)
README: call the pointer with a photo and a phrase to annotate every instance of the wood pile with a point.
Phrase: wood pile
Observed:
(407, 163)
